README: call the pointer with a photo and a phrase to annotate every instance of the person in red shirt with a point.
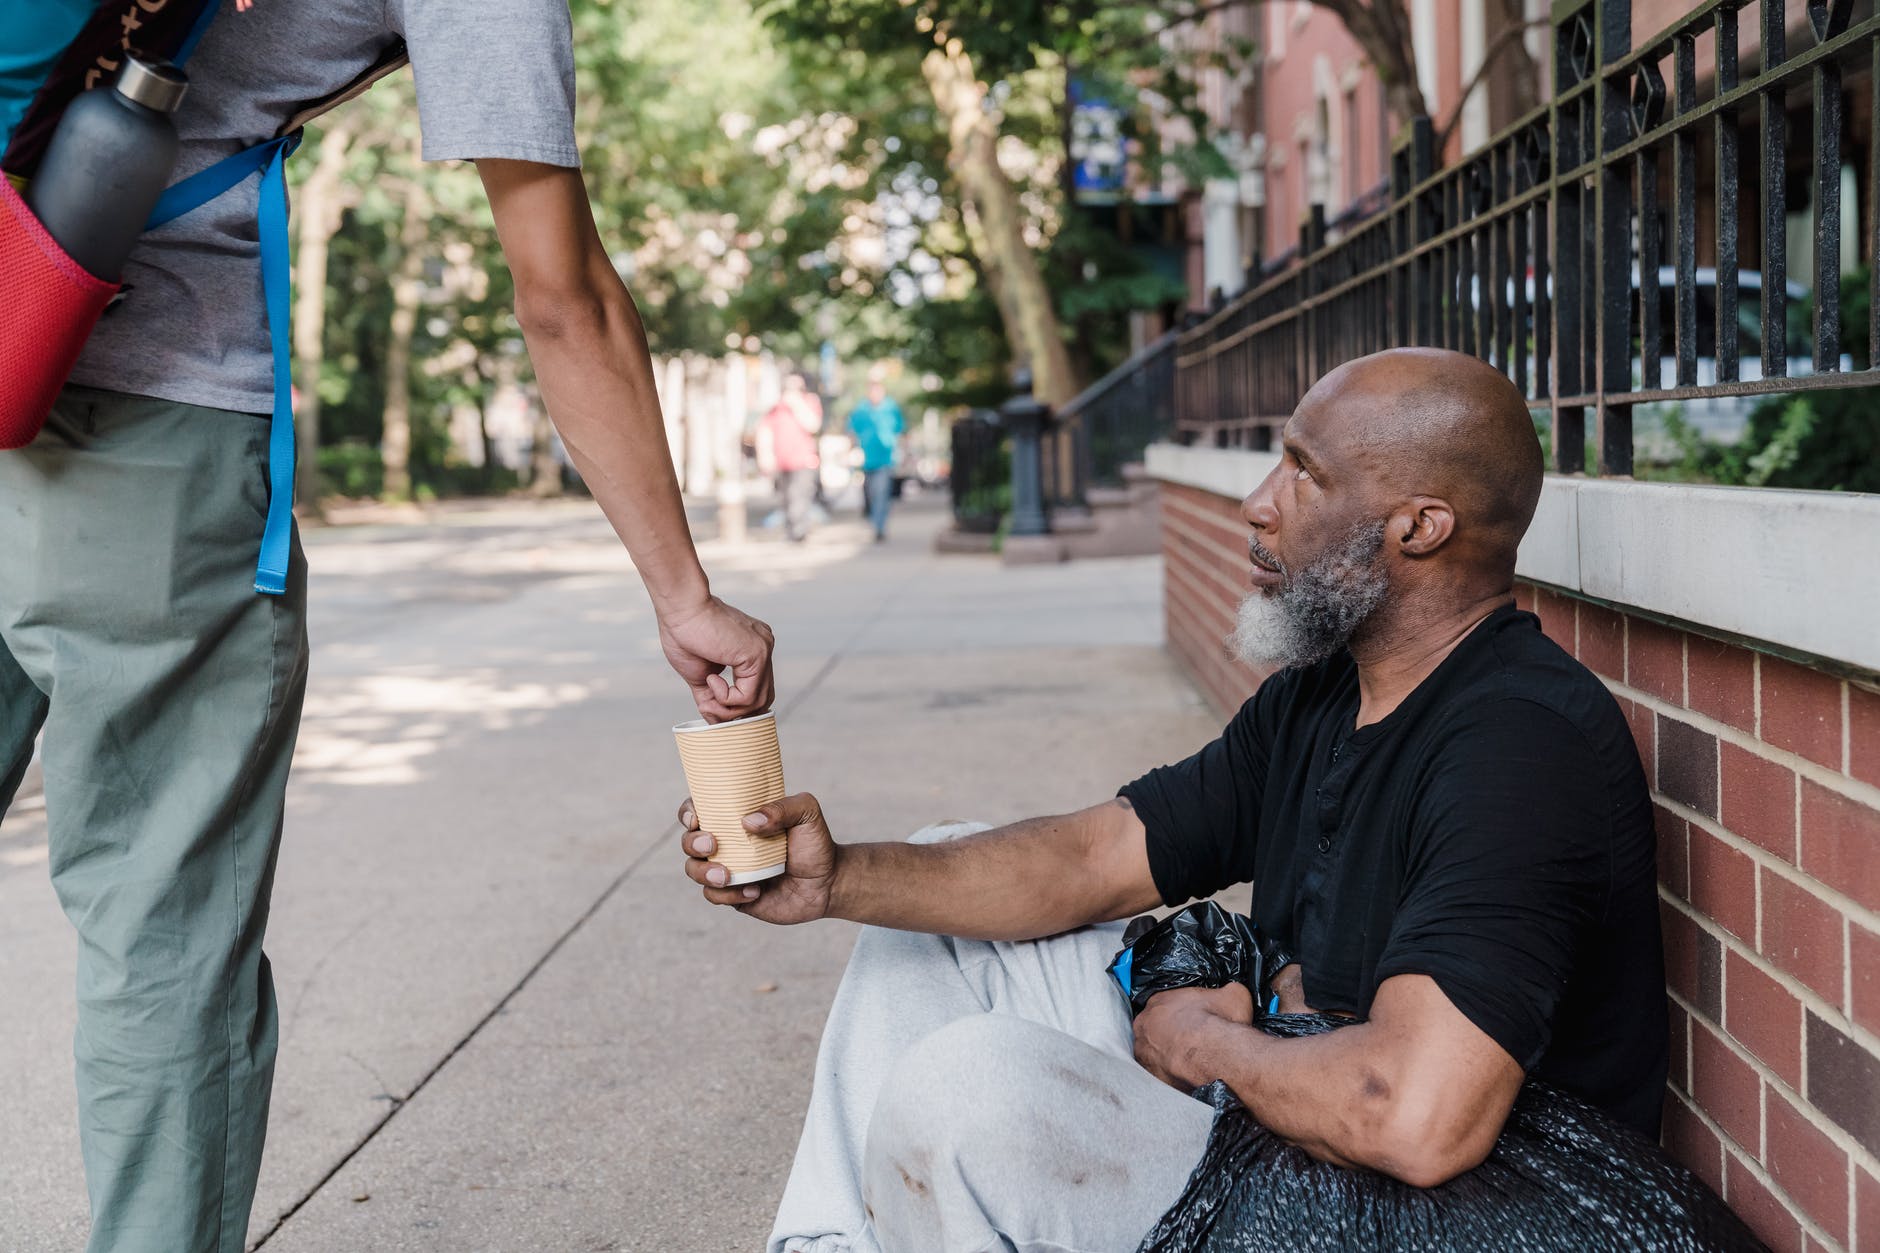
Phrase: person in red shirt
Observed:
(786, 450)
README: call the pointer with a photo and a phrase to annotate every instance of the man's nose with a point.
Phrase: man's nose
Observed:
(1258, 508)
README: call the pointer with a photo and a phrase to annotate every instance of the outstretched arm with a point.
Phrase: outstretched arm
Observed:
(591, 358)
(1033, 878)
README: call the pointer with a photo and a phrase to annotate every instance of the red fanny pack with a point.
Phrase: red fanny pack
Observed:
(46, 315)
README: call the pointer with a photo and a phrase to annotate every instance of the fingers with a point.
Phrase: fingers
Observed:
(779, 816)
(749, 690)
(710, 876)
(751, 675)
(735, 897)
(1237, 1003)
(713, 709)
(698, 846)
(721, 701)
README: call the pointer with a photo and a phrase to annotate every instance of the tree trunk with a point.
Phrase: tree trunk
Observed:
(1010, 316)
(1031, 321)
(407, 294)
(544, 469)
(1524, 76)
(1382, 30)
(319, 206)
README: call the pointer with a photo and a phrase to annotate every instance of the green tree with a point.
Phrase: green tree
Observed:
(694, 152)
(981, 114)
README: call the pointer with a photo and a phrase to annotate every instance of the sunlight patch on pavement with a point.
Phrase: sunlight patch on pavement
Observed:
(377, 730)
(775, 563)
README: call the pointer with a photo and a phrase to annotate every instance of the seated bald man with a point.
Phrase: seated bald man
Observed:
(1442, 815)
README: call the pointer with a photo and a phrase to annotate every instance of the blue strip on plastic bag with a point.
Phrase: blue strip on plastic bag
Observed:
(1119, 969)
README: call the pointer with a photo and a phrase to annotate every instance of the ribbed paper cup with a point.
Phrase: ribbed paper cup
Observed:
(734, 768)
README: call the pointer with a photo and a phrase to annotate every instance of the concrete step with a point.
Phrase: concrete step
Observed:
(953, 540)
(1113, 497)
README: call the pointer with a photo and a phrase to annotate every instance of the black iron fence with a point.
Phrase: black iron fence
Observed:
(1087, 443)
(1611, 249)
(1110, 422)
(980, 479)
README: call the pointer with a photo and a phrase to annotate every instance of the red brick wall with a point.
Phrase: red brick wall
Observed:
(1766, 779)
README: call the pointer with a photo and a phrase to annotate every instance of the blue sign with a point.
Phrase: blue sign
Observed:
(1099, 153)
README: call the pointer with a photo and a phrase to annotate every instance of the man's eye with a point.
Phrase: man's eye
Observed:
(1302, 473)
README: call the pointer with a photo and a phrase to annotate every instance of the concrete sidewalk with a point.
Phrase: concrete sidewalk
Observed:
(509, 1023)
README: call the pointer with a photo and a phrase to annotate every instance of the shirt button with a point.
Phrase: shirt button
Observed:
(1325, 843)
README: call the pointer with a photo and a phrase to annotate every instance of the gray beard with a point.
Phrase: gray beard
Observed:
(1315, 612)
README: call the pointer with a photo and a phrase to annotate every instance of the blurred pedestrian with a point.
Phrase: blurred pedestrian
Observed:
(786, 450)
(877, 424)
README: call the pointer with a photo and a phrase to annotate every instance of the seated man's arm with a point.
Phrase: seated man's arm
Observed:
(1033, 878)
(1417, 1091)
(1039, 877)
(1508, 863)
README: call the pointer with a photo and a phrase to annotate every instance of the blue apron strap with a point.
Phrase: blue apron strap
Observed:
(206, 184)
(276, 287)
(276, 283)
(196, 32)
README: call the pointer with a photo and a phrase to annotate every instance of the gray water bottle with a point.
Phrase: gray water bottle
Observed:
(109, 160)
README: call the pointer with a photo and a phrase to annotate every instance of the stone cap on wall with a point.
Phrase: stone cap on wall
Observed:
(1799, 571)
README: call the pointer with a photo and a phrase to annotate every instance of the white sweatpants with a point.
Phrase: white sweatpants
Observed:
(976, 1097)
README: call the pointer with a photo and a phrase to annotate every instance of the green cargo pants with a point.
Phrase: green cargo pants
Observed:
(170, 694)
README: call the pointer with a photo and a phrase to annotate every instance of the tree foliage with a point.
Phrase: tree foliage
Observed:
(774, 177)
(1135, 56)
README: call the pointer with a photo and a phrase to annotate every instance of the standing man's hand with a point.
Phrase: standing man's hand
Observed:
(801, 893)
(1177, 1029)
(704, 643)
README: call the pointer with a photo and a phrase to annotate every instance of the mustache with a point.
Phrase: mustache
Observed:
(1259, 555)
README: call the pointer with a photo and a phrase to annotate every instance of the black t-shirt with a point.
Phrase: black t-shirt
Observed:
(1493, 832)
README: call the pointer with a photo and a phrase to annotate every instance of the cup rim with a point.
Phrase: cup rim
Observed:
(693, 726)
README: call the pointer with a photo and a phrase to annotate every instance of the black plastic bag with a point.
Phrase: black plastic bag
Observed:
(1564, 1177)
(1203, 946)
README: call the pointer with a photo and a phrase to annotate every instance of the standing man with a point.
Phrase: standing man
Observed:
(877, 425)
(786, 451)
(169, 691)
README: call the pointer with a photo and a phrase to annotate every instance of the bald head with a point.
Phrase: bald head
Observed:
(1429, 422)
(1407, 481)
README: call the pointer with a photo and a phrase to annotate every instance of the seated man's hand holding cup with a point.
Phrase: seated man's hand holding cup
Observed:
(750, 844)
(800, 893)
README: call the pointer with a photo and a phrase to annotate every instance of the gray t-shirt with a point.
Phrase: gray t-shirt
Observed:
(495, 78)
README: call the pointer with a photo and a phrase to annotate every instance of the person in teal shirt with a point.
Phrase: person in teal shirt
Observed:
(876, 424)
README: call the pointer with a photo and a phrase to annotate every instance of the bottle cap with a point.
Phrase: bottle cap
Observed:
(156, 85)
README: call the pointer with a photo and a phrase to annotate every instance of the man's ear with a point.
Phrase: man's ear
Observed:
(1423, 525)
